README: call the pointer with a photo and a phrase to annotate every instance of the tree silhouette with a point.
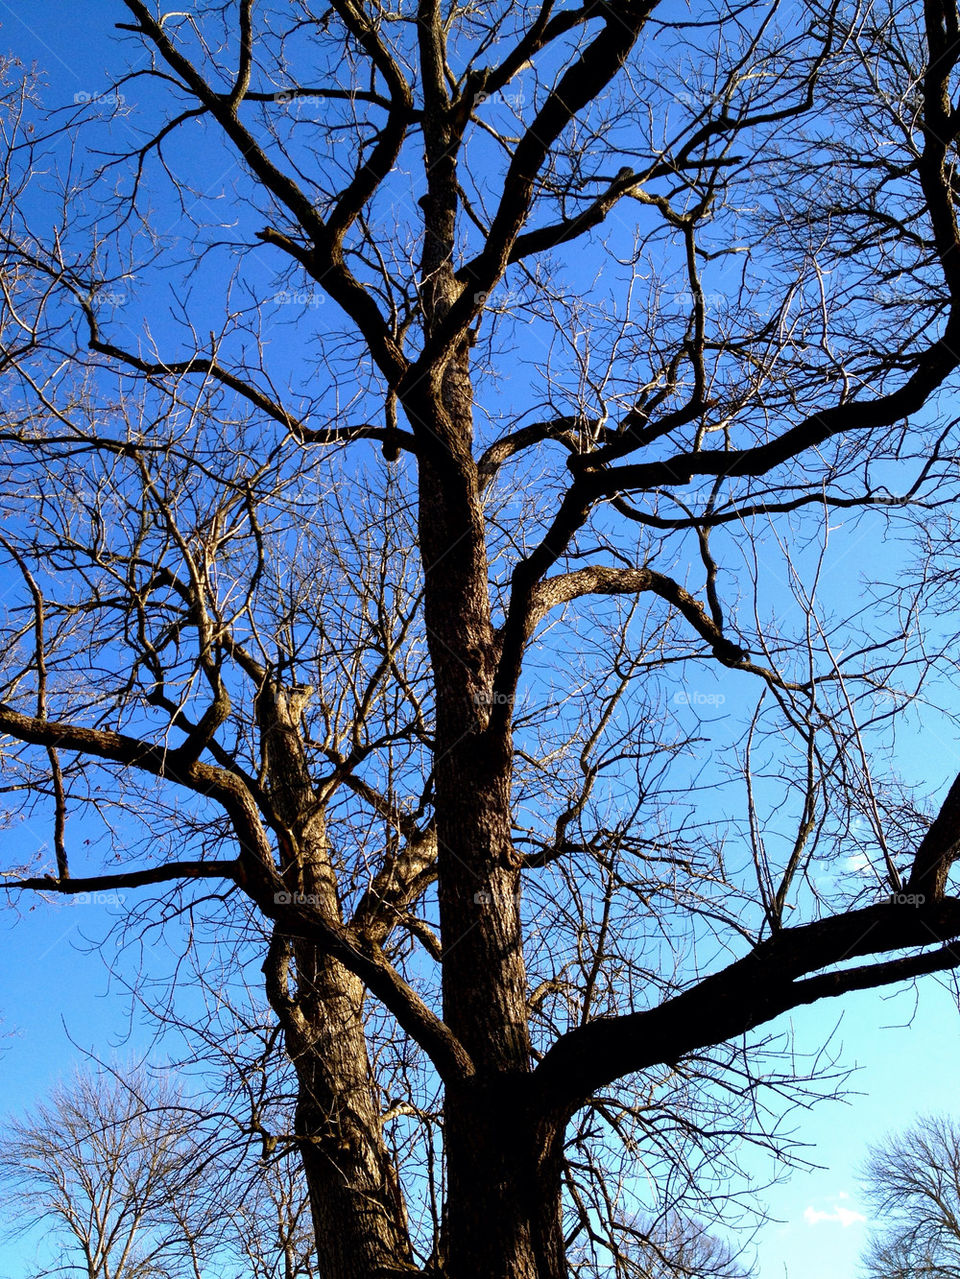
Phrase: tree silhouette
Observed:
(423, 430)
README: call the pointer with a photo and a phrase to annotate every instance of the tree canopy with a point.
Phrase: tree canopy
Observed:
(479, 483)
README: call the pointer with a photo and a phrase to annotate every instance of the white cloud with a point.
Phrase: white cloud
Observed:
(860, 863)
(842, 1216)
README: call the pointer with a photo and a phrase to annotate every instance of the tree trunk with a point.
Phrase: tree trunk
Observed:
(503, 1182)
(355, 1198)
(503, 1186)
(356, 1205)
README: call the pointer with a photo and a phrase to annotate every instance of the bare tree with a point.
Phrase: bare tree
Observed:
(114, 1170)
(912, 1180)
(273, 1224)
(631, 304)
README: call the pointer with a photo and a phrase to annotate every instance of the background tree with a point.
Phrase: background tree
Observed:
(127, 1177)
(116, 1172)
(272, 1222)
(912, 1180)
(631, 306)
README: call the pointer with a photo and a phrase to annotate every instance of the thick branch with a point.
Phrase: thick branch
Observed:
(934, 366)
(370, 172)
(749, 992)
(133, 752)
(398, 883)
(542, 32)
(255, 874)
(563, 429)
(598, 64)
(246, 55)
(327, 264)
(939, 849)
(129, 879)
(603, 580)
(366, 960)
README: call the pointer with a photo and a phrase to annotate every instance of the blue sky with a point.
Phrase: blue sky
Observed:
(58, 1001)
(907, 1048)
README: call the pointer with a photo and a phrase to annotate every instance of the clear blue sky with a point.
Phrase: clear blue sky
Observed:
(56, 1000)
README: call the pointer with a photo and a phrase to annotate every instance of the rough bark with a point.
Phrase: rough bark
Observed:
(489, 1143)
(356, 1202)
(504, 1121)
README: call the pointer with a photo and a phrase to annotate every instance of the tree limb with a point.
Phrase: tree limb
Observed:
(749, 992)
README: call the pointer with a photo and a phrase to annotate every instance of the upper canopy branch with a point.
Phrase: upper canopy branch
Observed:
(209, 366)
(604, 580)
(937, 363)
(546, 27)
(565, 430)
(579, 85)
(326, 262)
